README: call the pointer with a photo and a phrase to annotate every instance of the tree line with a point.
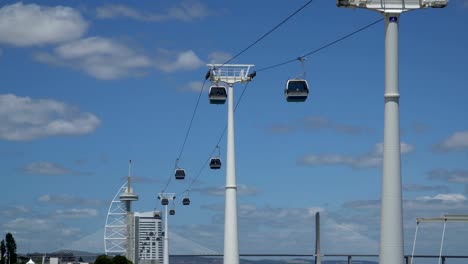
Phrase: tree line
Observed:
(8, 250)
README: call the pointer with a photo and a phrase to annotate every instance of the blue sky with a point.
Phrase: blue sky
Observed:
(88, 86)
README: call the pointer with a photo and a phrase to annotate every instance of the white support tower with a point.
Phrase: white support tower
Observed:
(119, 229)
(391, 217)
(115, 229)
(169, 197)
(127, 198)
(444, 219)
(230, 74)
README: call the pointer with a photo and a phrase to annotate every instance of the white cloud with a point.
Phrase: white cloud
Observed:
(449, 197)
(283, 230)
(40, 233)
(76, 213)
(369, 160)
(187, 11)
(45, 168)
(366, 214)
(319, 122)
(14, 211)
(68, 200)
(44, 198)
(194, 86)
(219, 57)
(185, 60)
(31, 24)
(24, 118)
(456, 141)
(281, 129)
(89, 243)
(453, 176)
(30, 224)
(99, 57)
(424, 188)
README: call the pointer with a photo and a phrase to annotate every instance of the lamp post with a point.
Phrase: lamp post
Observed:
(391, 220)
(230, 74)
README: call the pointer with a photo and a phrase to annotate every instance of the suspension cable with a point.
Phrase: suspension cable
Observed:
(269, 32)
(322, 47)
(262, 69)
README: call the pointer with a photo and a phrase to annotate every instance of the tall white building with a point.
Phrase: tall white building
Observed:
(148, 239)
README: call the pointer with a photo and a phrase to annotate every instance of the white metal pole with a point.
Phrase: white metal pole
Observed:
(414, 243)
(166, 238)
(442, 242)
(317, 239)
(391, 222)
(231, 243)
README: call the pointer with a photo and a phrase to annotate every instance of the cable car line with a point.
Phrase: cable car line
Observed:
(245, 88)
(269, 32)
(271, 67)
(191, 120)
(187, 133)
(217, 144)
(254, 73)
(322, 47)
(170, 177)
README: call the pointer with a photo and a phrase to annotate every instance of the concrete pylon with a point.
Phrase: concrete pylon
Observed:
(317, 238)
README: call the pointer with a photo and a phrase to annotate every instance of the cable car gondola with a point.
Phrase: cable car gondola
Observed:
(215, 163)
(296, 90)
(164, 201)
(186, 201)
(157, 215)
(217, 95)
(172, 212)
(179, 174)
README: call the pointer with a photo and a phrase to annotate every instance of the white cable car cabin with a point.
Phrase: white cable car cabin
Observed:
(164, 201)
(217, 94)
(186, 201)
(215, 163)
(179, 174)
(296, 90)
(157, 215)
(172, 212)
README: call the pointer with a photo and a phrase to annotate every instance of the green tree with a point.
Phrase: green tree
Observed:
(11, 248)
(2, 251)
(103, 259)
(80, 259)
(121, 260)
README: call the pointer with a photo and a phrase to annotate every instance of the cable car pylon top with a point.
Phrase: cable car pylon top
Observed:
(230, 73)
